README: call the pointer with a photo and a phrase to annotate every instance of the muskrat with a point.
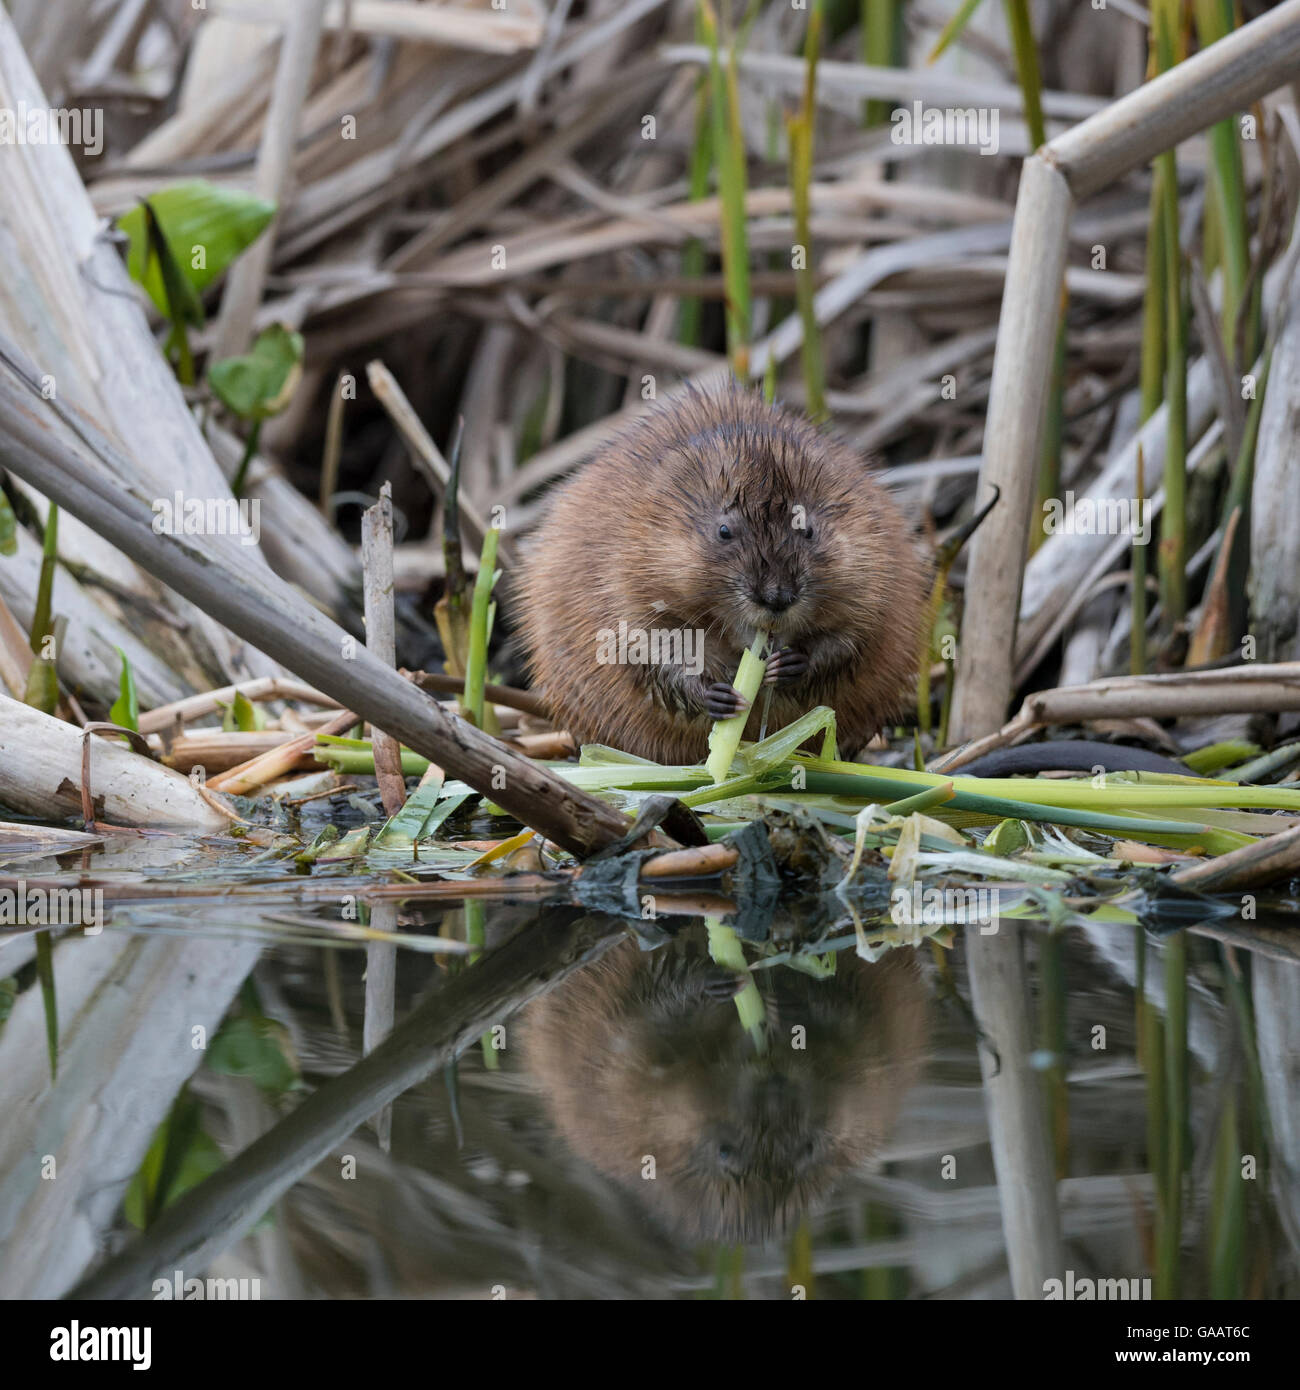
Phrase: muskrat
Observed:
(641, 1056)
(712, 517)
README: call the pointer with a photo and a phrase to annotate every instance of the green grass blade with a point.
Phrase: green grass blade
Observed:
(950, 30)
(480, 630)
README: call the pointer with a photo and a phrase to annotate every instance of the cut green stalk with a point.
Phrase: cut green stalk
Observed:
(481, 618)
(970, 808)
(356, 762)
(1128, 804)
(1213, 756)
(725, 736)
(1259, 768)
(1191, 792)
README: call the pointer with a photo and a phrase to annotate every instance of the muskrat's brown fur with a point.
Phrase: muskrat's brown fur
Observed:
(641, 1059)
(633, 537)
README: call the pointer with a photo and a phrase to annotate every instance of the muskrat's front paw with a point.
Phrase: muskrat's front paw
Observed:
(785, 665)
(722, 700)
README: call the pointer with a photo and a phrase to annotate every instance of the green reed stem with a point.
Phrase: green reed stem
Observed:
(800, 135)
(882, 30)
(729, 152)
(1172, 555)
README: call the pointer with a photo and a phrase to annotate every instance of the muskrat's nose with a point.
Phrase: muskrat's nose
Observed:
(777, 597)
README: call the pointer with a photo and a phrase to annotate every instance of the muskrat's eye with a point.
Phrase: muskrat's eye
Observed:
(724, 532)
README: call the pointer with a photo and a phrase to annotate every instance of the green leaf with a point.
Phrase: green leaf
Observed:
(42, 691)
(126, 708)
(480, 631)
(776, 748)
(326, 836)
(183, 304)
(819, 967)
(43, 609)
(247, 716)
(180, 1157)
(1006, 837)
(260, 383)
(205, 228)
(254, 1046)
(8, 527)
(408, 824)
(423, 820)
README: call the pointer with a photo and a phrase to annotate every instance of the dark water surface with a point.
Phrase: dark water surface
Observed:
(638, 1130)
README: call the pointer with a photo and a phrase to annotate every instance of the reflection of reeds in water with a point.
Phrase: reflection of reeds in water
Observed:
(510, 1206)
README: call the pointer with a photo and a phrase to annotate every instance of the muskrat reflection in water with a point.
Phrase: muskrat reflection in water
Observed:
(642, 1055)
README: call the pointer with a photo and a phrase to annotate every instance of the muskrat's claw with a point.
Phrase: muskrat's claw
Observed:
(722, 700)
(721, 984)
(785, 665)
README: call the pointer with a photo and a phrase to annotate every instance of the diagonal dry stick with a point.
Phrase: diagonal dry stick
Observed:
(73, 464)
